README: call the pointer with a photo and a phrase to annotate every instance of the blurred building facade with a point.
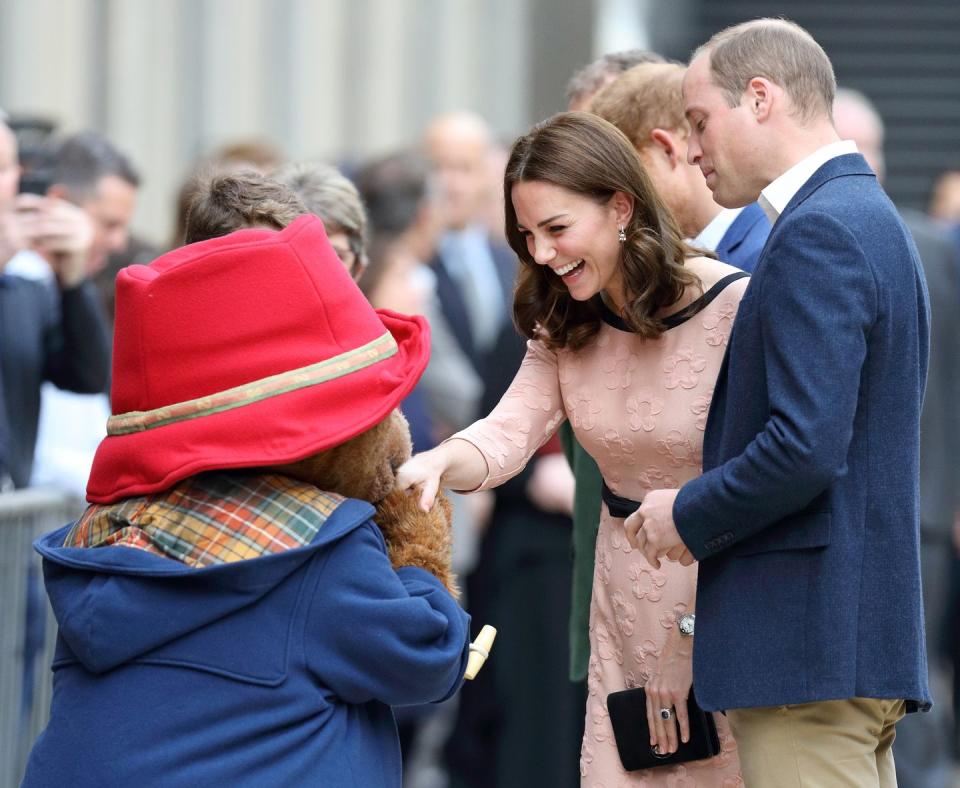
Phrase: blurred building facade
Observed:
(346, 79)
(333, 79)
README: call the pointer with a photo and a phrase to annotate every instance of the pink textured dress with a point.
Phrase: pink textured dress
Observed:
(639, 408)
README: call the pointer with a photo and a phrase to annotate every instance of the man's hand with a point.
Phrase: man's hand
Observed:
(59, 231)
(651, 529)
(11, 236)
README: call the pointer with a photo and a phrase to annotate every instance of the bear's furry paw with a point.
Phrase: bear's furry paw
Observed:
(418, 538)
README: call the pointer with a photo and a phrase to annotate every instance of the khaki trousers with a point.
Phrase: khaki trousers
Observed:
(829, 744)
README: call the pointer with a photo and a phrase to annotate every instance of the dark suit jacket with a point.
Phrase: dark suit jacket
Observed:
(806, 519)
(46, 336)
(744, 239)
(454, 309)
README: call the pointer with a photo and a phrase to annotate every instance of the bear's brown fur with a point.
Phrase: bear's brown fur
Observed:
(365, 467)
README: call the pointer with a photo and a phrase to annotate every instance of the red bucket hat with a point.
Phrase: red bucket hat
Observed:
(252, 349)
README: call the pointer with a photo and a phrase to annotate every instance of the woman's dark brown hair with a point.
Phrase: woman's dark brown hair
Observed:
(588, 156)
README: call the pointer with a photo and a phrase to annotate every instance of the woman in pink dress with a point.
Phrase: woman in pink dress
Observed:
(627, 328)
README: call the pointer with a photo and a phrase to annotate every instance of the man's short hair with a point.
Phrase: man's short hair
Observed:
(589, 79)
(223, 202)
(81, 160)
(778, 50)
(646, 97)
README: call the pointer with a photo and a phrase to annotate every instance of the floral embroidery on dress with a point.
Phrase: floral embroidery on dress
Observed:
(643, 410)
(515, 429)
(608, 644)
(619, 366)
(600, 721)
(728, 748)
(582, 410)
(719, 322)
(533, 396)
(624, 612)
(586, 757)
(700, 407)
(594, 675)
(655, 479)
(668, 619)
(492, 447)
(683, 368)
(646, 582)
(679, 450)
(604, 563)
(619, 541)
(621, 449)
(647, 658)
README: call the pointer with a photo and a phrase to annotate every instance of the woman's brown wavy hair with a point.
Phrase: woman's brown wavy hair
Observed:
(584, 154)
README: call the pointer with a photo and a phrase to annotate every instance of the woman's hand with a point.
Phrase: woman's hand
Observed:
(669, 689)
(423, 473)
(455, 463)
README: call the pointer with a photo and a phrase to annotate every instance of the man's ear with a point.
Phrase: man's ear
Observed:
(760, 96)
(665, 143)
(622, 205)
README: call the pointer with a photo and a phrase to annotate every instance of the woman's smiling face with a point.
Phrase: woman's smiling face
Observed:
(574, 236)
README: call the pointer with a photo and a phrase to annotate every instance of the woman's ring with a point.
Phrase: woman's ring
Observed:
(665, 714)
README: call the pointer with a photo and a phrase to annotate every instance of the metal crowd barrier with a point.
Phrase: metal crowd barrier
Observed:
(24, 516)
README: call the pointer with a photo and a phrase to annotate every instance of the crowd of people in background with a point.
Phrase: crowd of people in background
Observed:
(421, 230)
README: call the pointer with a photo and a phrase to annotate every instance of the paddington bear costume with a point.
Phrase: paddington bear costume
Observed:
(219, 624)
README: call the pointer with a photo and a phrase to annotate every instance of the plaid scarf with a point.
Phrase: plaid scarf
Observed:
(211, 518)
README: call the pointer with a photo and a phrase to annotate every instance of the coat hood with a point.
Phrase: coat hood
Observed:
(116, 604)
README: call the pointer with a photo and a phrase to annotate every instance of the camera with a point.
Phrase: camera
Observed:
(33, 134)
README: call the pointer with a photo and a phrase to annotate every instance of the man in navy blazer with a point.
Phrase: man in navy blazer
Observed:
(805, 520)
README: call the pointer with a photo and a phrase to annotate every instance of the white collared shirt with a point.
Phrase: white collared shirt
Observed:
(779, 192)
(711, 235)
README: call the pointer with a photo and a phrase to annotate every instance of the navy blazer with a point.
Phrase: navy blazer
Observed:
(46, 334)
(806, 518)
(744, 239)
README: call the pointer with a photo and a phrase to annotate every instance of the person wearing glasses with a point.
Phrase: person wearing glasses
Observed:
(327, 193)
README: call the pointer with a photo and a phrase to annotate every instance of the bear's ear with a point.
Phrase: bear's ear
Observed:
(399, 432)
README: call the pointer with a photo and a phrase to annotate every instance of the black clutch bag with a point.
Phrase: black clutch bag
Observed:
(628, 716)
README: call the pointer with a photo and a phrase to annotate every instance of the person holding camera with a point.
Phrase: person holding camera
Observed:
(54, 332)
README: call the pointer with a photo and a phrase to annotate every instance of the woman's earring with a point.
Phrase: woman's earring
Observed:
(623, 236)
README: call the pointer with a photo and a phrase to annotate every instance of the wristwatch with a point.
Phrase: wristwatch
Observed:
(685, 624)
